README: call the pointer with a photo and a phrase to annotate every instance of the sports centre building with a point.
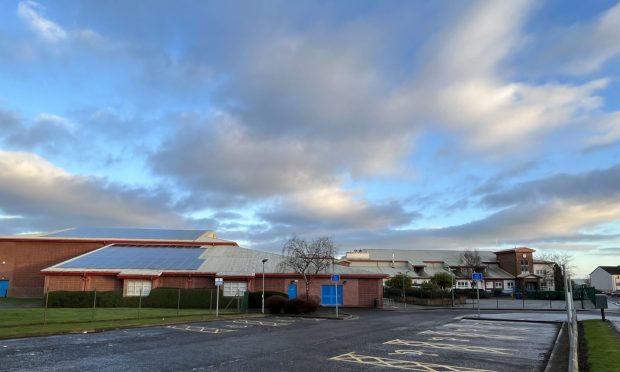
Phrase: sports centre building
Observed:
(138, 260)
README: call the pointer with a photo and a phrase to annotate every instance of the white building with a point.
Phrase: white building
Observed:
(606, 278)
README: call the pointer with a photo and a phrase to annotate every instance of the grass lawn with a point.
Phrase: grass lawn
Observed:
(603, 346)
(21, 301)
(29, 322)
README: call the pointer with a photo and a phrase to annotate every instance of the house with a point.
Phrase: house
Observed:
(422, 265)
(606, 278)
(502, 270)
(137, 269)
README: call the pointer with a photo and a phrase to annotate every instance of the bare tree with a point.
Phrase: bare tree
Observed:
(308, 259)
(563, 266)
(471, 260)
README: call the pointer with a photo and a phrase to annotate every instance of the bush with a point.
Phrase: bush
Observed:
(199, 298)
(276, 304)
(312, 305)
(70, 299)
(295, 306)
(255, 298)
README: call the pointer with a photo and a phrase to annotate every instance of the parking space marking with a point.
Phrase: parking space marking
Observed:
(449, 339)
(201, 329)
(410, 365)
(472, 335)
(488, 327)
(410, 352)
(262, 323)
(451, 347)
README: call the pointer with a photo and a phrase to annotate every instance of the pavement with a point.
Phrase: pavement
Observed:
(402, 339)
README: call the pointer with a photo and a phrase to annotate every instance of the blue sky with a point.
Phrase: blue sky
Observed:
(409, 125)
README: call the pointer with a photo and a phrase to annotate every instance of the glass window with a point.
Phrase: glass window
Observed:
(498, 284)
(138, 287)
(234, 289)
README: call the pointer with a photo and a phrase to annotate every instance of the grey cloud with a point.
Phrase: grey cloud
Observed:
(591, 185)
(48, 198)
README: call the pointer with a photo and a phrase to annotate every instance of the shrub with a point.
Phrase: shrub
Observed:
(276, 304)
(295, 306)
(70, 299)
(255, 298)
(312, 305)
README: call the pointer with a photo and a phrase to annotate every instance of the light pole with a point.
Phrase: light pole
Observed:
(263, 296)
(404, 294)
(453, 275)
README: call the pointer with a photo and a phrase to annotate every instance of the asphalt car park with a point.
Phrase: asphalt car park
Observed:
(372, 340)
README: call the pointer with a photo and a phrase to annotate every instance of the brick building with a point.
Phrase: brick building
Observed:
(23, 257)
(137, 269)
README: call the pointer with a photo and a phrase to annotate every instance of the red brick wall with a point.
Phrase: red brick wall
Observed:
(23, 262)
(356, 292)
(172, 282)
(65, 283)
(104, 283)
(508, 262)
(368, 290)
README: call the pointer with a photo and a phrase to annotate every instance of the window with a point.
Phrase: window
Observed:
(234, 289)
(498, 284)
(524, 265)
(138, 287)
(510, 284)
(541, 272)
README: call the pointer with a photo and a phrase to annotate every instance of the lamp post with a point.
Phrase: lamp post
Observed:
(404, 294)
(263, 296)
(453, 275)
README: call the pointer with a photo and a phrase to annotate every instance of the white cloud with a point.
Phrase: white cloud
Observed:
(465, 87)
(30, 12)
(48, 197)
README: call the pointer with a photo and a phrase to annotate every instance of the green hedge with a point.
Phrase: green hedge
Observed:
(159, 298)
(255, 298)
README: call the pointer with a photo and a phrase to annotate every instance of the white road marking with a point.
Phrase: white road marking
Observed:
(471, 335)
(452, 347)
(402, 364)
(201, 329)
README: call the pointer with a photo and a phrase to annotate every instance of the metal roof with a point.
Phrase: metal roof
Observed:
(139, 257)
(417, 257)
(613, 270)
(129, 233)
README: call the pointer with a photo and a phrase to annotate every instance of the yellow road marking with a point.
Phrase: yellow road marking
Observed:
(471, 335)
(451, 347)
(402, 364)
(202, 329)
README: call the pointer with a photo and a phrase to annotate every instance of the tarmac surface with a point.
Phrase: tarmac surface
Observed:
(412, 339)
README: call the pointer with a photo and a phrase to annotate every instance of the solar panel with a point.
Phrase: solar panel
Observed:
(133, 257)
(127, 233)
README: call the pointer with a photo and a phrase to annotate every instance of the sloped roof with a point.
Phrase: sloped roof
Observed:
(123, 233)
(418, 257)
(224, 260)
(613, 270)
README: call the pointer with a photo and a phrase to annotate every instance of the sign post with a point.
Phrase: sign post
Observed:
(477, 277)
(336, 279)
(218, 283)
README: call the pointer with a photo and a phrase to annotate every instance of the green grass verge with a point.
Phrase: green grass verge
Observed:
(29, 322)
(21, 301)
(603, 346)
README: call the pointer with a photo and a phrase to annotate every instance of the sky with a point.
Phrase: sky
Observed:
(381, 124)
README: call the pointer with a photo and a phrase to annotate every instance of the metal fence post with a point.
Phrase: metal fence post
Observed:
(45, 311)
(178, 301)
(140, 303)
(94, 304)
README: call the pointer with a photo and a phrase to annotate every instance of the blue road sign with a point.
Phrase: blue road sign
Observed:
(476, 276)
(335, 277)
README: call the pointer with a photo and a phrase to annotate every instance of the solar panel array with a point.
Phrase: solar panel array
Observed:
(145, 257)
(127, 233)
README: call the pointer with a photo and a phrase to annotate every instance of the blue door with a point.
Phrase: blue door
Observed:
(328, 295)
(292, 291)
(4, 288)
